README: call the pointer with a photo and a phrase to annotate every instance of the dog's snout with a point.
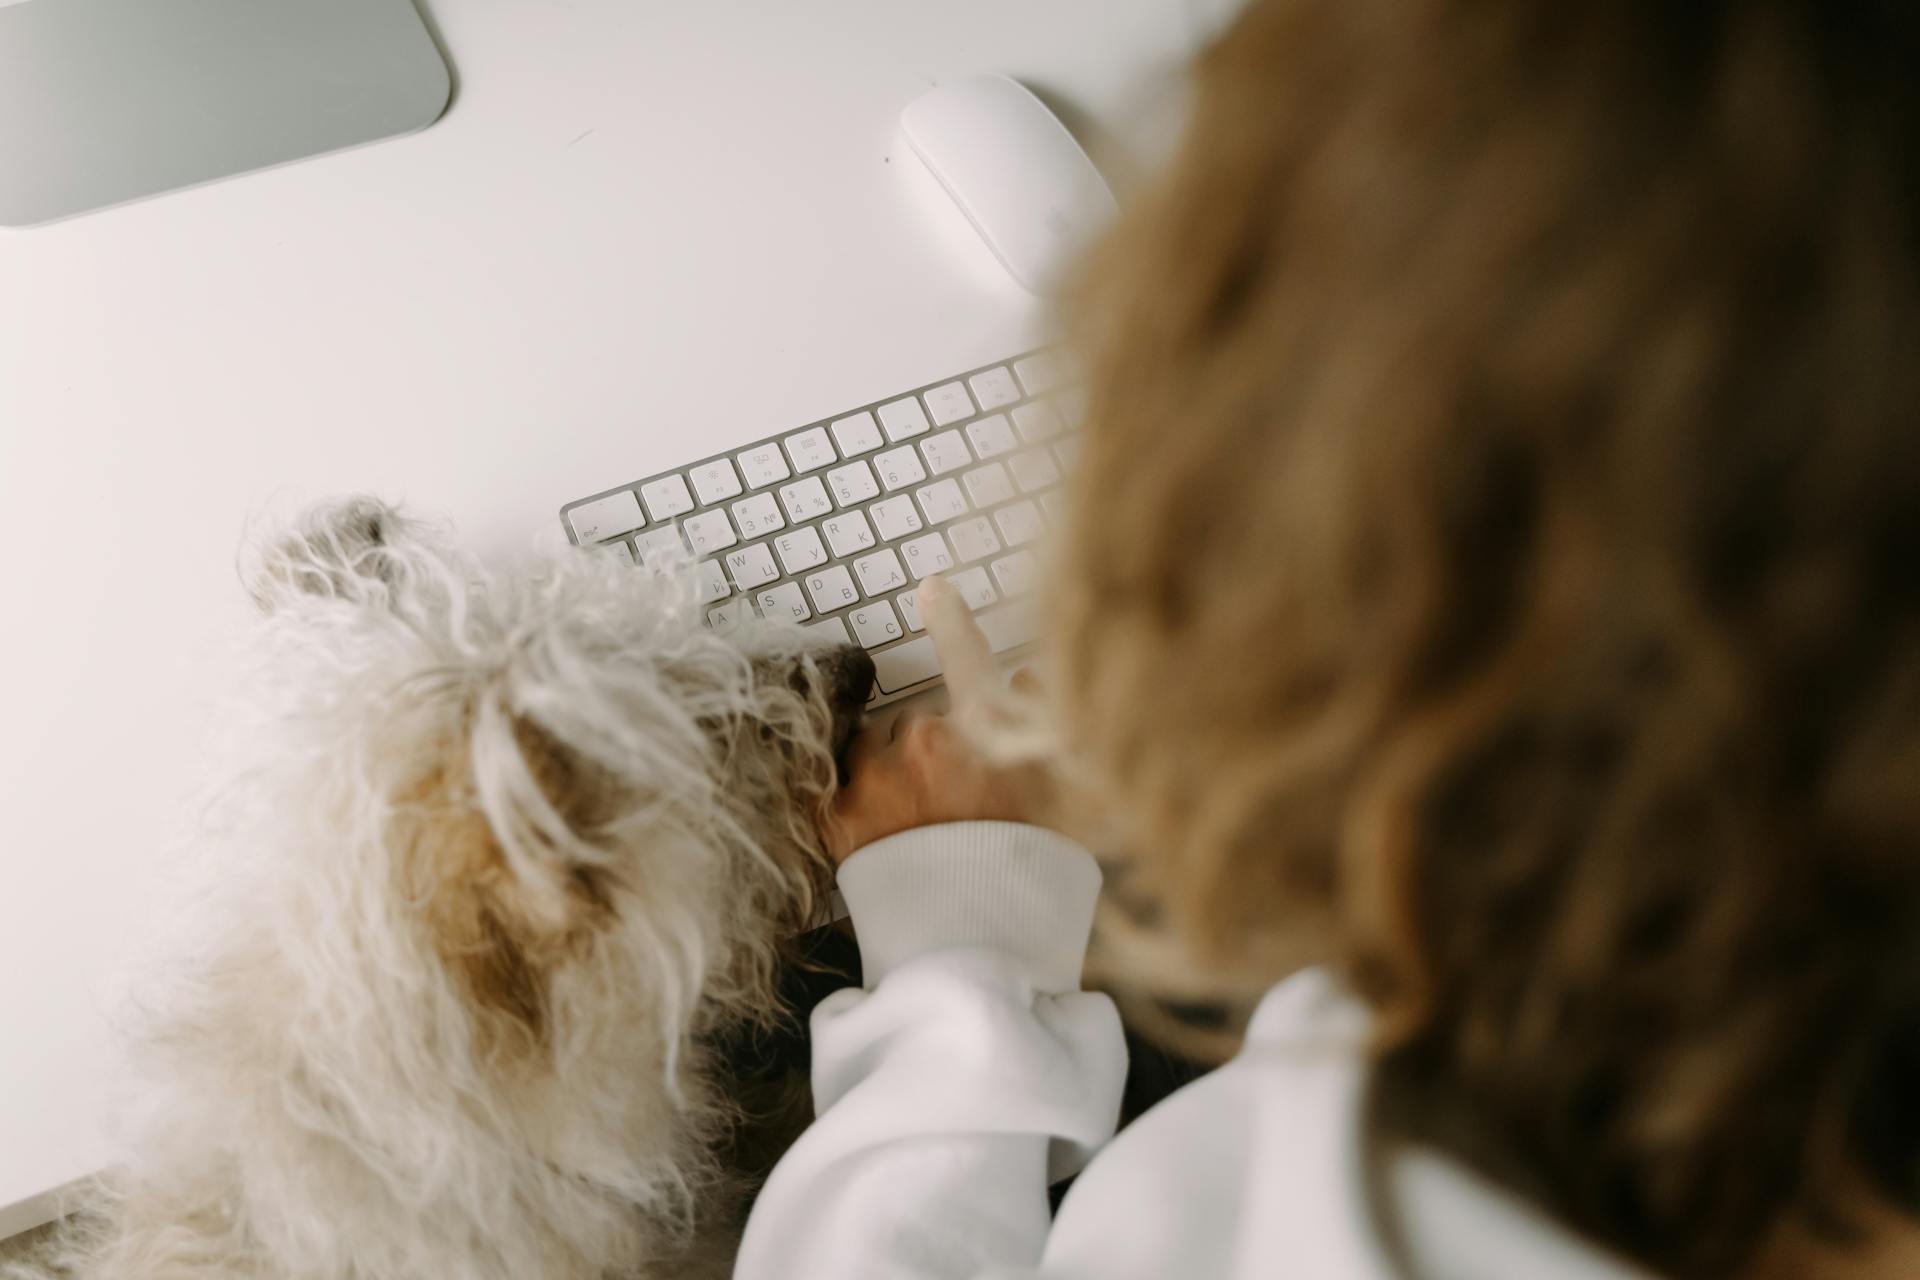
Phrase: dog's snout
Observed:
(848, 672)
(852, 676)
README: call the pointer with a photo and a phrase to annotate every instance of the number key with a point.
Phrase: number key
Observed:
(852, 484)
(900, 468)
(708, 531)
(805, 499)
(757, 515)
(945, 452)
(992, 436)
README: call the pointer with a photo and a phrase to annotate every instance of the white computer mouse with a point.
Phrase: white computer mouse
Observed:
(1023, 182)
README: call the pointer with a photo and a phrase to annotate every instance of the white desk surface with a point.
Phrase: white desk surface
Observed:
(643, 231)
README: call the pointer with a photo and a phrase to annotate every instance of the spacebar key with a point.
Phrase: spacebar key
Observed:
(1009, 627)
(906, 665)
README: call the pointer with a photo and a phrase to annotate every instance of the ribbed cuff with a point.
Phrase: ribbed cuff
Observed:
(1022, 890)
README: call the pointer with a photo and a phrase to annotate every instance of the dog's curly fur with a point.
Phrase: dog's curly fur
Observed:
(512, 852)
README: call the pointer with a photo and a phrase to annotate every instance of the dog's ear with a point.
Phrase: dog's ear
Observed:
(348, 549)
(499, 861)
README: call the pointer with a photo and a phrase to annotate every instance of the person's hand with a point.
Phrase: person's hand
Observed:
(924, 768)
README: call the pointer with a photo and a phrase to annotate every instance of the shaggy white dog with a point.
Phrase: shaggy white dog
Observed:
(512, 853)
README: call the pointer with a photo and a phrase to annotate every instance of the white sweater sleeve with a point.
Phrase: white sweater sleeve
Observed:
(969, 1073)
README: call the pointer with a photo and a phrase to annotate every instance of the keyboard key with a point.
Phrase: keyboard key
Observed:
(1037, 421)
(658, 545)
(949, 403)
(906, 665)
(666, 498)
(831, 629)
(900, 468)
(974, 588)
(848, 533)
(895, 518)
(752, 566)
(1017, 573)
(800, 550)
(1019, 523)
(909, 602)
(1009, 628)
(879, 573)
(713, 582)
(917, 661)
(988, 485)
(831, 588)
(875, 624)
(1033, 470)
(1039, 373)
(810, 450)
(1072, 405)
(941, 501)
(708, 531)
(853, 483)
(992, 436)
(607, 517)
(904, 418)
(858, 434)
(805, 499)
(973, 539)
(994, 388)
(784, 603)
(830, 526)
(927, 556)
(945, 452)
(762, 466)
(730, 613)
(715, 481)
(757, 515)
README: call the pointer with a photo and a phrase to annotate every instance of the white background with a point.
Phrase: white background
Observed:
(643, 232)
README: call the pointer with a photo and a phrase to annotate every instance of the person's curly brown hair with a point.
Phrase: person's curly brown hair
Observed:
(1498, 563)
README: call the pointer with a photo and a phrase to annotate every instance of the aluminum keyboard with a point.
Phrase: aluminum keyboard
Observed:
(835, 524)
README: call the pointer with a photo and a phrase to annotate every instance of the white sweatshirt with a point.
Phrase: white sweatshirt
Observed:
(972, 1071)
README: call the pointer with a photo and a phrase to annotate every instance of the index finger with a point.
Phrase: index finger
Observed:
(965, 655)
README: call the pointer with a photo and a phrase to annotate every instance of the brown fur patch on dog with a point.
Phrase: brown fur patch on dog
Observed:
(478, 914)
